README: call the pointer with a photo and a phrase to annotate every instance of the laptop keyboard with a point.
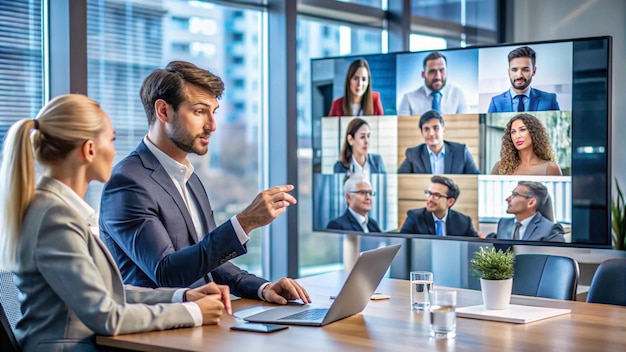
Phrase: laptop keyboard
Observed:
(309, 314)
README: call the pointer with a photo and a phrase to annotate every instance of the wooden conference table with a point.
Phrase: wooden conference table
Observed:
(390, 325)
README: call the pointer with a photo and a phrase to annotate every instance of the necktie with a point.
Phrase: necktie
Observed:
(520, 102)
(364, 226)
(436, 100)
(516, 235)
(439, 227)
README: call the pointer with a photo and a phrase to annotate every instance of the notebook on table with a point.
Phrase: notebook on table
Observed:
(513, 314)
(355, 293)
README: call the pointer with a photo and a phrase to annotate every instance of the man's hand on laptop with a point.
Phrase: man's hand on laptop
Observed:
(285, 290)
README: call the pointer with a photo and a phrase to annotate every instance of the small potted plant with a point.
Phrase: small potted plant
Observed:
(495, 270)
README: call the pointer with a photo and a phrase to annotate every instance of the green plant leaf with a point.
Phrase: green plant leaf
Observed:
(490, 264)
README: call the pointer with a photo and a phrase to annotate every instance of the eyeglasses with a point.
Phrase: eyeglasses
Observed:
(363, 193)
(515, 194)
(437, 196)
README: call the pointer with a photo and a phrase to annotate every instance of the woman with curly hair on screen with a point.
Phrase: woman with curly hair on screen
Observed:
(526, 149)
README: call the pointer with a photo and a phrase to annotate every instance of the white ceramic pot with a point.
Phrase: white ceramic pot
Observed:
(496, 293)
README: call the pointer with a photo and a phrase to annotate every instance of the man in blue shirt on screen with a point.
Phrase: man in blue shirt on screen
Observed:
(521, 97)
(436, 93)
(436, 156)
(528, 224)
(437, 218)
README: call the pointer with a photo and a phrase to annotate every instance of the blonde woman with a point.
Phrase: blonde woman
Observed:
(70, 288)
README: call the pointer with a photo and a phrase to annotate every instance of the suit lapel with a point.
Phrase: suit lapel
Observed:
(370, 161)
(353, 223)
(425, 159)
(160, 176)
(430, 222)
(532, 226)
(533, 100)
(447, 159)
(198, 192)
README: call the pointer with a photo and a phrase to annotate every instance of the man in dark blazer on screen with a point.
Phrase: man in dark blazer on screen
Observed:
(155, 216)
(436, 156)
(437, 218)
(528, 224)
(358, 192)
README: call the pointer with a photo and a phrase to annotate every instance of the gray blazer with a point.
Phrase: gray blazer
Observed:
(69, 286)
(539, 229)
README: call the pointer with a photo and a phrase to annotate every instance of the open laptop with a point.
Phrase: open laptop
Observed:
(361, 283)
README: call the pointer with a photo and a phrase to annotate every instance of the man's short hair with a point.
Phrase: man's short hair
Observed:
(434, 56)
(351, 183)
(431, 114)
(169, 84)
(453, 189)
(535, 190)
(523, 51)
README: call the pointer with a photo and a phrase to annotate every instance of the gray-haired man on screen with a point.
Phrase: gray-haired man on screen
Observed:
(359, 194)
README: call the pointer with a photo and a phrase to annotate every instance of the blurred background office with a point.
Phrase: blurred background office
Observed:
(262, 49)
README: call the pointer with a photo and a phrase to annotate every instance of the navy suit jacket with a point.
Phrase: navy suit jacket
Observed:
(458, 160)
(374, 160)
(539, 229)
(420, 221)
(146, 225)
(538, 100)
(348, 222)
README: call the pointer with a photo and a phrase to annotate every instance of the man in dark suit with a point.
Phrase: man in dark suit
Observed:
(155, 216)
(359, 198)
(436, 156)
(437, 218)
(521, 97)
(528, 224)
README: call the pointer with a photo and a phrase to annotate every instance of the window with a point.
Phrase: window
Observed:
(121, 56)
(180, 22)
(320, 39)
(21, 62)
(180, 48)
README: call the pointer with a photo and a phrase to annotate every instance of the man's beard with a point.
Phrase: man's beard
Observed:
(524, 86)
(184, 141)
(443, 84)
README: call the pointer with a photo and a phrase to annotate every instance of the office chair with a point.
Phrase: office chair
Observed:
(9, 312)
(608, 285)
(547, 276)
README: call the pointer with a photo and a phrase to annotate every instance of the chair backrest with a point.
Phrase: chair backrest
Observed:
(547, 276)
(608, 285)
(546, 209)
(9, 312)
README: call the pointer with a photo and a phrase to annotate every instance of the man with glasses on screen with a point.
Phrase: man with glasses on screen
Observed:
(436, 156)
(436, 93)
(521, 97)
(528, 224)
(359, 194)
(437, 218)
(155, 215)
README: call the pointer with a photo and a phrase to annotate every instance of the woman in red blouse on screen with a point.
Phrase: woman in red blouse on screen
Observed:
(358, 98)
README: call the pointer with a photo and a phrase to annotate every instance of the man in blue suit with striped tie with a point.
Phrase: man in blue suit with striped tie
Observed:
(521, 97)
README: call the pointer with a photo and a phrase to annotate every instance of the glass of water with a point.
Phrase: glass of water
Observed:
(421, 284)
(443, 314)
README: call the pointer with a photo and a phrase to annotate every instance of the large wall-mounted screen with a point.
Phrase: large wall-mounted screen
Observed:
(507, 142)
